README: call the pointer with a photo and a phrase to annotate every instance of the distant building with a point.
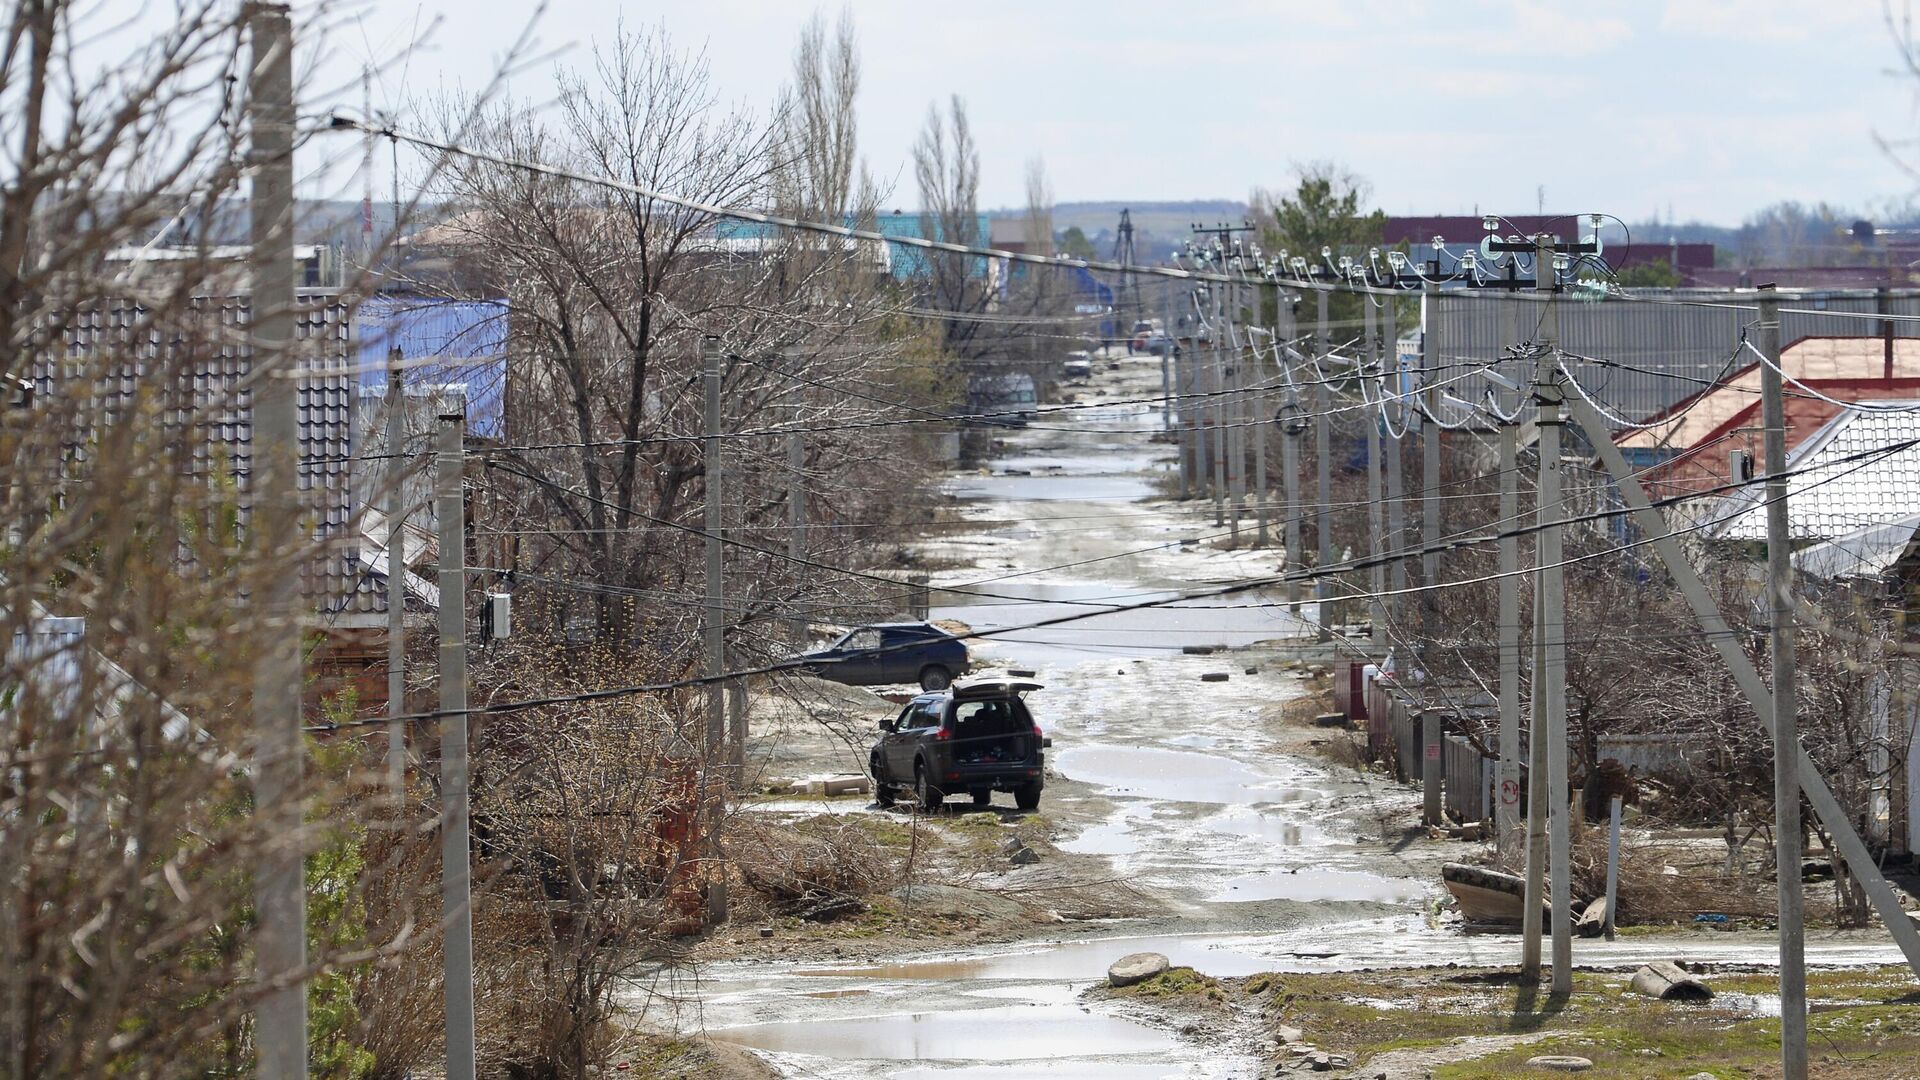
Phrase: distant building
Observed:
(909, 262)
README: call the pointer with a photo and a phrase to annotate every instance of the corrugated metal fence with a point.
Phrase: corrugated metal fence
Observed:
(1644, 355)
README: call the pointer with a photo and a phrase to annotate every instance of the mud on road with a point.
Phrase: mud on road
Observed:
(1181, 815)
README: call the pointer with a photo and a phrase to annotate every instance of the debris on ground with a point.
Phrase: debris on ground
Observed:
(1593, 921)
(1135, 967)
(1669, 981)
(1559, 1063)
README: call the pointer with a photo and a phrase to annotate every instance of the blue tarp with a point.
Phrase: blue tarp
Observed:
(444, 342)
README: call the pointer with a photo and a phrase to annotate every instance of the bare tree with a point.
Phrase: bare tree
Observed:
(1039, 208)
(819, 125)
(946, 167)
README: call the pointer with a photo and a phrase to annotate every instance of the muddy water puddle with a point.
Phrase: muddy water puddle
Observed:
(1001, 1033)
(1147, 772)
(1053, 487)
(1162, 631)
(1055, 1070)
(1316, 884)
(1073, 961)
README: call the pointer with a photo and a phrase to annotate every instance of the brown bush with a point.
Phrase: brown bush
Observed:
(822, 856)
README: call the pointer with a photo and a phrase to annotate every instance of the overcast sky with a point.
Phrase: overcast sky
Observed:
(1711, 107)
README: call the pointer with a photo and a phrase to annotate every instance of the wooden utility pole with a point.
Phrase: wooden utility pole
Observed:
(280, 898)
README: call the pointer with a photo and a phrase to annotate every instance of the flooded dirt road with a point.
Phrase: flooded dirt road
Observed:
(1251, 856)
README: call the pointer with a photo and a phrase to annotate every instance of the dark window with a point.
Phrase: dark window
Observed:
(926, 714)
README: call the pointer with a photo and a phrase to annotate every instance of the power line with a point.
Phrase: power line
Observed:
(1863, 458)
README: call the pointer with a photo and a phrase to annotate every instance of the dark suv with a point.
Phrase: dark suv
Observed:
(888, 653)
(977, 737)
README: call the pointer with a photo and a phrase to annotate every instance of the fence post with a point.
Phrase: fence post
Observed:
(1432, 766)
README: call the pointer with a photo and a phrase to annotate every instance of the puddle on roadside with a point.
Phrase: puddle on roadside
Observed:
(1271, 828)
(1308, 883)
(1066, 488)
(838, 993)
(1137, 632)
(1007, 1033)
(1055, 1070)
(1072, 961)
(1178, 776)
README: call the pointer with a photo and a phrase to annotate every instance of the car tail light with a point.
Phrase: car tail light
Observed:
(1036, 731)
(942, 734)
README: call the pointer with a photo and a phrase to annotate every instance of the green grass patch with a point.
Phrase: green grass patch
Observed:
(1626, 1035)
(1177, 982)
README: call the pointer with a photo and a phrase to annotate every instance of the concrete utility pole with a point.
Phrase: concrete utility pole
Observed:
(1233, 407)
(1218, 406)
(1553, 622)
(1396, 481)
(1258, 427)
(797, 498)
(1166, 367)
(1323, 467)
(1183, 385)
(1291, 429)
(1507, 794)
(279, 885)
(1535, 896)
(1377, 572)
(1431, 491)
(396, 513)
(1786, 734)
(456, 885)
(716, 615)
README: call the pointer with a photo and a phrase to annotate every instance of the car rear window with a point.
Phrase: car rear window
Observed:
(995, 716)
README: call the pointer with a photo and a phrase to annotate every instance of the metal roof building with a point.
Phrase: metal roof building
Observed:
(1859, 472)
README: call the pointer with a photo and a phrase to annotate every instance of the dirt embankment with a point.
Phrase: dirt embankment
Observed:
(909, 883)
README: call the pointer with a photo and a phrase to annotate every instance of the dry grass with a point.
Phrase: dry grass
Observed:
(1672, 881)
(788, 865)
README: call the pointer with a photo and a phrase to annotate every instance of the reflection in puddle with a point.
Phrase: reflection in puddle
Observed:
(1119, 488)
(1054, 1071)
(1087, 961)
(1314, 884)
(1272, 828)
(1228, 621)
(1178, 775)
(1011, 1033)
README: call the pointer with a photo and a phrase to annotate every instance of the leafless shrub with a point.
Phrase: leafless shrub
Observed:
(821, 857)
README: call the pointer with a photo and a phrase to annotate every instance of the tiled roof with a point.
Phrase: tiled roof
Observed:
(1689, 423)
(1840, 486)
(215, 398)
